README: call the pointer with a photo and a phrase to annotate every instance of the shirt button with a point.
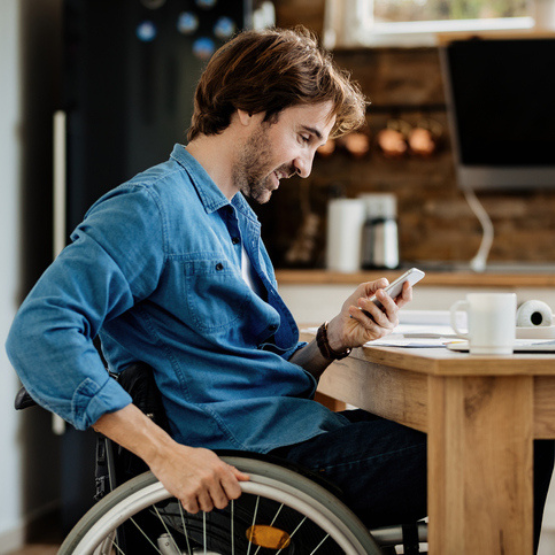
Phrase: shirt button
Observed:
(219, 266)
(235, 240)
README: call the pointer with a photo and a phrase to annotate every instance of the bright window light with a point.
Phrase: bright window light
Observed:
(368, 22)
(399, 11)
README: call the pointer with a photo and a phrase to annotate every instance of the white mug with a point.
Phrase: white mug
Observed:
(491, 322)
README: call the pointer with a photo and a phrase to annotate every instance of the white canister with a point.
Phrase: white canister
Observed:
(345, 221)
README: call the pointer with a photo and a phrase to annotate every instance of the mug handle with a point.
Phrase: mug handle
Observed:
(463, 306)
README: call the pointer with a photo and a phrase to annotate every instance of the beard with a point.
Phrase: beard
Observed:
(252, 174)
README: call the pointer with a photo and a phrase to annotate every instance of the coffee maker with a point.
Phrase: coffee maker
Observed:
(380, 240)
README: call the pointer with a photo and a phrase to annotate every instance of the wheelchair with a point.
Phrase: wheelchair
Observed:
(283, 509)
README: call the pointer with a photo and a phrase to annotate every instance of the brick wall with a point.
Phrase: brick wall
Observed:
(435, 222)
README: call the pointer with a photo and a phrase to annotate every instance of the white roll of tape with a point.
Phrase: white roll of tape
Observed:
(534, 313)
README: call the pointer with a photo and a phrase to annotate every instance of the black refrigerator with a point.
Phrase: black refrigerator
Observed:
(129, 71)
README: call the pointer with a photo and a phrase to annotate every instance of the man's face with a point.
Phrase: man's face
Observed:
(278, 150)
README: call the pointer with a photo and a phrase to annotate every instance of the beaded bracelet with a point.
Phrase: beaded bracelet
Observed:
(324, 346)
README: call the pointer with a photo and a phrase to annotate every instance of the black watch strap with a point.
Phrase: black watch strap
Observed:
(324, 346)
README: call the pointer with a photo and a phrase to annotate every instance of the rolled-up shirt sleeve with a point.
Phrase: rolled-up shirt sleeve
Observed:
(114, 261)
(300, 345)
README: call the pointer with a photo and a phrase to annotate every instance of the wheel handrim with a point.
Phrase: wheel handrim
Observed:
(156, 493)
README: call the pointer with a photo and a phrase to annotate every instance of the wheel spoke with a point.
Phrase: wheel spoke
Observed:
(253, 521)
(320, 544)
(145, 535)
(118, 548)
(186, 534)
(166, 528)
(271, 524)
(108, 544)
(204, 530)
(294, 532)
(232, 527)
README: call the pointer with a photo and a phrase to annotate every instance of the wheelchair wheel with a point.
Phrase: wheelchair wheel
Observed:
(279, 512)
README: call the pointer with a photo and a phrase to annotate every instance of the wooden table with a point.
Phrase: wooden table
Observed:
(481, 415)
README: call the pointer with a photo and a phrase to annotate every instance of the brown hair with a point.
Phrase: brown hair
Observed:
(268, 71)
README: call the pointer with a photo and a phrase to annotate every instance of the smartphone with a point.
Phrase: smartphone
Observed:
(394, 289)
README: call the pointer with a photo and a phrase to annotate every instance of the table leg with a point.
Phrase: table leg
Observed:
(480, 465)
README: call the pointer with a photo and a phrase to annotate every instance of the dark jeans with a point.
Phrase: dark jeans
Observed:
(381, 468)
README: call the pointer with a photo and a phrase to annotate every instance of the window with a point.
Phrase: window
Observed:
(416, 22)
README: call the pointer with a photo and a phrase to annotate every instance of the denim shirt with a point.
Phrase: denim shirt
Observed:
(155, 270)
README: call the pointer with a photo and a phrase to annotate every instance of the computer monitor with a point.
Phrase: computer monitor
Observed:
(501, 103)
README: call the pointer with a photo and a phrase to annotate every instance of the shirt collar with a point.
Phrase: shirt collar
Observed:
(209, 193)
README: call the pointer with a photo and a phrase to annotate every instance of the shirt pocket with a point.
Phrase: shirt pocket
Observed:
(216, 295)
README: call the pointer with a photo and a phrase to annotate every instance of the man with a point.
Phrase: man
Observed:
(169, 269)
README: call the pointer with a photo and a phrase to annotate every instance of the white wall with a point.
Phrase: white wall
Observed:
(10, 153)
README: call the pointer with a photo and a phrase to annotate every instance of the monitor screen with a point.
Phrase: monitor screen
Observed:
(501, 101)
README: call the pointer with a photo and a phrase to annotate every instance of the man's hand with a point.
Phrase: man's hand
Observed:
(197, 477)
(353, 328)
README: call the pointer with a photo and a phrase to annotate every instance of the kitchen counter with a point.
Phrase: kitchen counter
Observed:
(496, 277)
